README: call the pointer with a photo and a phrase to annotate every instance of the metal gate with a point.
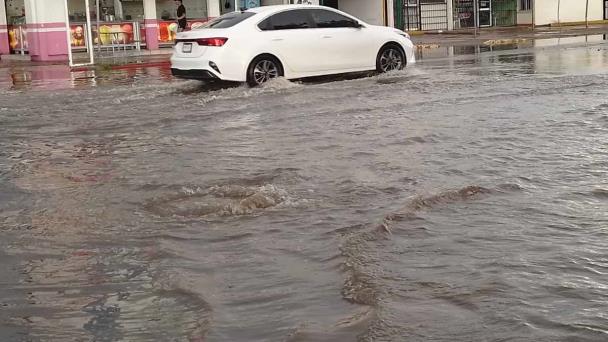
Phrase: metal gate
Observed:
(504, 12)
(415, 15)
(411, 15)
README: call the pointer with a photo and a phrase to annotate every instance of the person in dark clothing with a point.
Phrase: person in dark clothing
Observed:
(181, 16)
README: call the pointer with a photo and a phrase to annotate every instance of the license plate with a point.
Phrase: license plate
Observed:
(187, 48)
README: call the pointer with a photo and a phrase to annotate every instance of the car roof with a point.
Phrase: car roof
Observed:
(278, 8)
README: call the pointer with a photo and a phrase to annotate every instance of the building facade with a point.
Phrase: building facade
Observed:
(546, 12)
(437, 15)
(37, 28)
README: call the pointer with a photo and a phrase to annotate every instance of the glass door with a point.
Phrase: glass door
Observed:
(485, 13)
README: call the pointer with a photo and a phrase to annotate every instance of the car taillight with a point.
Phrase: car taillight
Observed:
(211, 41)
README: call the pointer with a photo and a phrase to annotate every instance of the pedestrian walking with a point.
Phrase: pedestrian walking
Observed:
(181, 16)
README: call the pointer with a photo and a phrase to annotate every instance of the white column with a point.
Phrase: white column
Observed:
(450, 14)
(390, 7)
(150, 9)
(2, 13)
(213, 8)
(118, 12)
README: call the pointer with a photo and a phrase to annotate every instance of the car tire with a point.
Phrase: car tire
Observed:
(262, 69)
(391, 57)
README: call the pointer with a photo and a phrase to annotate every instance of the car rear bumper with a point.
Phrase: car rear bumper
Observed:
(194, 74)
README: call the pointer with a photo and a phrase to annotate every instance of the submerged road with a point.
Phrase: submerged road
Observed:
(463, 199)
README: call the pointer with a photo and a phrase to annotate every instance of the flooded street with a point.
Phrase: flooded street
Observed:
(463, 199)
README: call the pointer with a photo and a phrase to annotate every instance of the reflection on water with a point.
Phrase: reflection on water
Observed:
(56, 77)
(438, 51)
(530, 56)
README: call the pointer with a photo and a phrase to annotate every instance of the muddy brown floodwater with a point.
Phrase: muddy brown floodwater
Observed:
(463, 199)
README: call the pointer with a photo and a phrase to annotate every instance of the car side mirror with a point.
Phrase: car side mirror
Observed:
(357, 24)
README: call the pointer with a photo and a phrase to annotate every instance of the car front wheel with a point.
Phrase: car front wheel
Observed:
(390, 58)
(262, 69)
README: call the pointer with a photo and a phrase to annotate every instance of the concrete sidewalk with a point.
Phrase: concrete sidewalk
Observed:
(504, 35)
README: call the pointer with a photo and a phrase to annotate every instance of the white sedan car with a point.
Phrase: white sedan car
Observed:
(291, 41)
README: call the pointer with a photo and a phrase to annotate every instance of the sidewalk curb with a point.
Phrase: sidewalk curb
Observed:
(126, 66)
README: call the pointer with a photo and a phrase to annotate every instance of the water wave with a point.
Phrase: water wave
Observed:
(360, 247)
(219, 200)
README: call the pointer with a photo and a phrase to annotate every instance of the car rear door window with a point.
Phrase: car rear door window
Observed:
(327, 19)
(288, 20)
(227, 20)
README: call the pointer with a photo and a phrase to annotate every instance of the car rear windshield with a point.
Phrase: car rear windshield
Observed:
(227, 20)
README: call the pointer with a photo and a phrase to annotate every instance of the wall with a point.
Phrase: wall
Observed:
(524, 18)
(14, 8)
(133, 8)
(47, 11)
(570, 11)
(78, 6)
(370, 11)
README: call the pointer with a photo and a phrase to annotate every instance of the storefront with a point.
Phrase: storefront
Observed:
(38, 27)
(16, 28)
(490, 13)
(422, 15)
(439, 15)
(123, 24)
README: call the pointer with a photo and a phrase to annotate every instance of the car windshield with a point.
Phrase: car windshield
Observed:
(227, 20)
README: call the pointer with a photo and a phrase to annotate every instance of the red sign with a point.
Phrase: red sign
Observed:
(167, 30)
(78, 36)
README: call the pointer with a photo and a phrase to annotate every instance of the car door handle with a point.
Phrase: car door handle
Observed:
(325, 37)
(277, 39)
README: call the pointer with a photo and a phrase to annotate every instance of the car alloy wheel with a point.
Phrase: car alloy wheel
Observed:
(265, 70)
(391, 59)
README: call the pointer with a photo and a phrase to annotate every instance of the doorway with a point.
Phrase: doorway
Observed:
(485, 13)
(16, 26)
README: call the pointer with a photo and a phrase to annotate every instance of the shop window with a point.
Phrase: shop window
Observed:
(525, 5)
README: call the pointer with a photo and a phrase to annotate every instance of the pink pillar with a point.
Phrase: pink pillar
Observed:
(46, 31)
(151, 34)
(4, 47)
(47, 42)
(151, 24)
